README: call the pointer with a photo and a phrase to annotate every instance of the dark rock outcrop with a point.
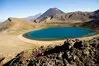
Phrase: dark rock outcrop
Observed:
(62, 55)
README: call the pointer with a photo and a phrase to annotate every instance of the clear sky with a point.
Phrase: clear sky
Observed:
(24, 8)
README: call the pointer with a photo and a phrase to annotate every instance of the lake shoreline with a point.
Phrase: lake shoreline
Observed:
(58, 33)
(53, 42)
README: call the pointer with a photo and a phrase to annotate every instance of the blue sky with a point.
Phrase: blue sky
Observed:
(24, 8)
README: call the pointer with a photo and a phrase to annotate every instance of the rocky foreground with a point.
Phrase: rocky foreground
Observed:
(71, 53)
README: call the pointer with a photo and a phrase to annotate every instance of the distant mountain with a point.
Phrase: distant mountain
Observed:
(95, 14)
(31, 18)
(50, 13)
(56, 15)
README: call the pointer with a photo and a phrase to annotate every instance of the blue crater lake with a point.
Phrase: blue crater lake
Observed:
(57, 33)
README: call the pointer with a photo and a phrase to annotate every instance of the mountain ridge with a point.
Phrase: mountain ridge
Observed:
(55, 14)
(50, 12)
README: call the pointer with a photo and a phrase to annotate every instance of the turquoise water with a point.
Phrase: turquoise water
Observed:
(56, 33)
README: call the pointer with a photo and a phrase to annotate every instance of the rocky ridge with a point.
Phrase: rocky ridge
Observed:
(71, 53)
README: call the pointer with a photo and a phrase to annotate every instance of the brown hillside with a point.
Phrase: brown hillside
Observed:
(69, 17)
(16, 25)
